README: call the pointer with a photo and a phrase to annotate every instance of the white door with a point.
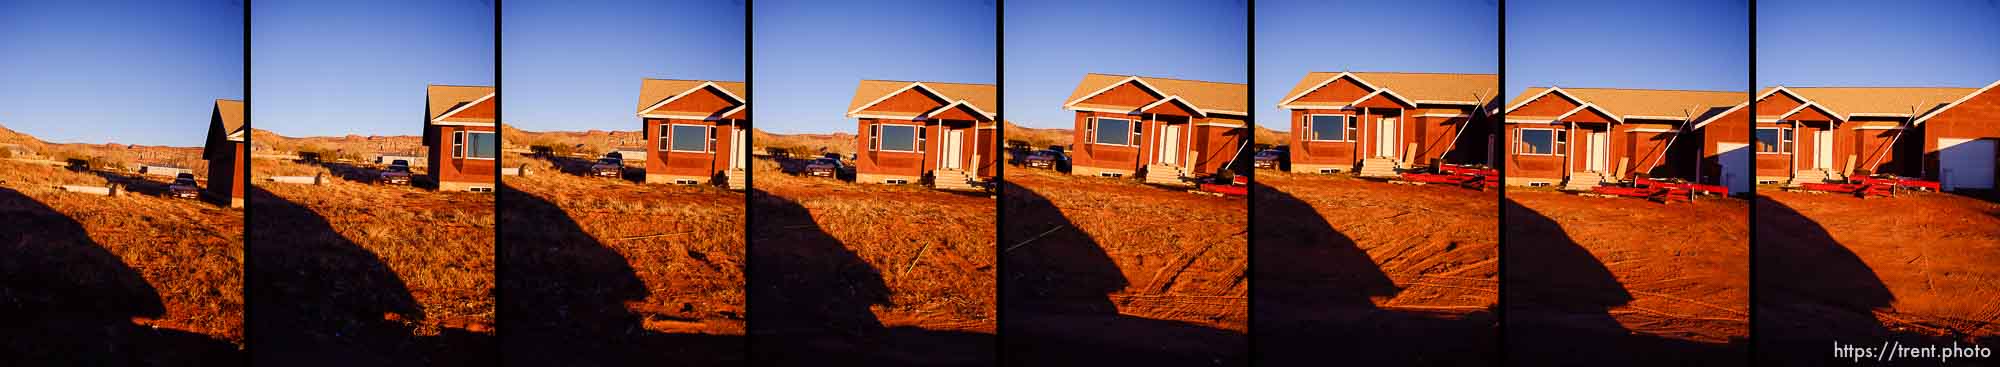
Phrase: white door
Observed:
(1385, 138)
(1735, 160)
(1965, 163)
(954, 141)
(1600, 148)
(738, 151)
(1170, 145)
(1823, 149)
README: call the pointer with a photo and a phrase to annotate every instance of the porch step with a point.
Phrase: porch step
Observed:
(735, 180)
(1808, 176)
(951, 179)
(1583, 181)
(1378, 167)
(1161, 174)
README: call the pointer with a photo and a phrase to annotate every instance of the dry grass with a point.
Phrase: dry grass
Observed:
(189, 251)
(933, 249)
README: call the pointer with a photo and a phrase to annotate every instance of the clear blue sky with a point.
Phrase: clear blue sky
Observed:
(1458, 36)
(1051, 44)
(1651, 44)
(807, 56)
(1870, 43)
(134, 71)
(576, 65)
(331, 68)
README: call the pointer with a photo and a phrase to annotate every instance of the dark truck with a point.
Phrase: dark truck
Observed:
(184, 187)
(612, 166)
(398, 173)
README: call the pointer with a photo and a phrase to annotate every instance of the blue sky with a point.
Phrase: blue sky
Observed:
(808, 56)
(1651, 44)
(1870, 43)
(135, 72)
(576, 65)
(331, 68)
(1458, 36)
(1051, 44)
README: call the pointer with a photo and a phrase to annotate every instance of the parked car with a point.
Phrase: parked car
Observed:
(1269, 159)
(398, 173)
(612, 166)
(825, 167)
(1045, 159)
(184, 187)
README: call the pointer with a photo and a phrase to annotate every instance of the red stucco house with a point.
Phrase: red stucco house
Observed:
(1815, 134)
(1159, 128)
(1582, 137)
(1377, 122)
(225, 152)
(912, 131)
(459, 132)
(696, 131)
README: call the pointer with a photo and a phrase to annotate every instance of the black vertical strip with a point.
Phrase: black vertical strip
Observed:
(1500, 127)
(999, 176)
(1250, 204)
(499, 163)
(749, 174)
(249, 142)
(1750, 129)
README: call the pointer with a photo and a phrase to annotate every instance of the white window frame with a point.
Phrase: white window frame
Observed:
(914, 138)
(1131, 137)
(1557, 142)
(707, 145)
(1347, 132)
(466, 150)
(1788, 140)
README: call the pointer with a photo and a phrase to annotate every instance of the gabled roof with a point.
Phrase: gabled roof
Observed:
(1421, 88)
(1623, 103)
(231, 113)
(445, 100)
(981, 97)
(1208, 97)
(1876, 101)
(654, 93)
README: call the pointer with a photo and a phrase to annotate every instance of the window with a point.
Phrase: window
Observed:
(1537, 142)
(689, 138)
(1113, 131)
(481, 144)
(458, 144)
(1329, 128)
(897, 138)
(1775, 140)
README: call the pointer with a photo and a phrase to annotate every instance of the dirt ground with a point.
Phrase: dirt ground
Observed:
(1374, 273)
(136, 279)
(1114, 271)
(611, 271)
(354, 273)
(1625, 281)
(865, 274)
(1916, 269)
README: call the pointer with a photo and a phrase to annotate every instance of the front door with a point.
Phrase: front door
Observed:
(1170, 145)
(954, 140)
(1600, 148)
(1823, 149)
(736, 148)
(1385, 138)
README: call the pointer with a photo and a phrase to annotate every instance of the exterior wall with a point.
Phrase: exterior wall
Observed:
(453, 173)
(1976, 118)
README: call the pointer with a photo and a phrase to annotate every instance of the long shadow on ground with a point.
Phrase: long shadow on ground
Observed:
(1813, 292)
(566, 294)
(1559, 302)
(1314, 300)
(810, 300)
(65, 300)
(1058, 310)
(318, 299)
